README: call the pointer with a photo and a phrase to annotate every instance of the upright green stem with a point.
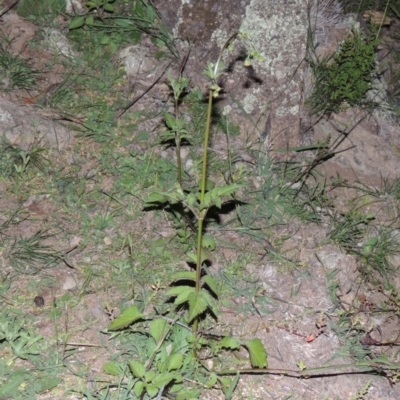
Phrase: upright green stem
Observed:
(178, 145)
(203, 212)
(205, 149)
(178, 159)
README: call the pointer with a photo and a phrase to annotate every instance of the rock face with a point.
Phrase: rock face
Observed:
(281, 39)
(267, 95)
(362, 155)
(25, 127)
(198, 20)
(369, 138)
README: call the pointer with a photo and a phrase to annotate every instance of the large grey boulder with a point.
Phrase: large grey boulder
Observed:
(266, 95)
(24, 127)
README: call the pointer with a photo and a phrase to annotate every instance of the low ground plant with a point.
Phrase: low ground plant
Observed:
(21, 382)
(105, 20)
(389, 7)
(343, 79)
(16, 73)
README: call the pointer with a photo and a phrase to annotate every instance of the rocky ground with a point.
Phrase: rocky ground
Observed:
(306, 260)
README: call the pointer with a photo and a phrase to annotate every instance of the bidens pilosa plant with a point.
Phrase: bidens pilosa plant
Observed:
(173, 356)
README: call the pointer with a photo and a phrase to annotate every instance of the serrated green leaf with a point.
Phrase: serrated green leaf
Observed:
(193, 257)
(229, 389)
(123, 22)
(212, 380)
(113, 368)
(177, 290)
(211, 283)
(371, 242)
(189, 395)
(164, 378)
(149, 376)
(159, 54)
(182, 293)
(89, 20)
(301, 365)
(127, 317)
(208, 241)
(191, 199)
(46, 383)
(180, 123)
(160, 242)
(9, 388)
(229, 189)
(179, 191)
(210, 301)
(209, 184)
(229, 343)
(218, 202)
(207, 200)
(175, 388)
(155, 197)
(180, 335)
(170, 121)
(158, 329)
(138, 389)
(258, 355)
(167, 135)
(181, 233)
(214, 193)
(184, 296)
(184, 275)
(151, 390)
(205, 255)
(225, 382)
(178, 376)
(173, 198)
(108, 7)
(197, 304)
(139, 8)
(137, 368)
(175, 361)
(77, 22)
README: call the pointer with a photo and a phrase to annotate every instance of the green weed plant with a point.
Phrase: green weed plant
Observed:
(174, 347)
(389, 7)
(344, 78)
(39, 8)
(117, 22)
(28, 255)
(19, 342)
(18, 162)
(15, 72)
